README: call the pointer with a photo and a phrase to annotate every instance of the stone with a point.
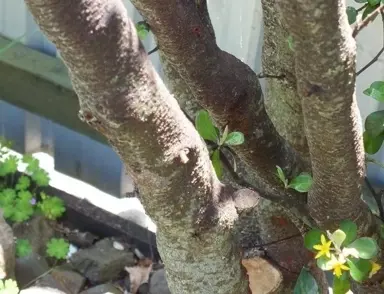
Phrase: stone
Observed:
(102, 262)
(37, 230)
(158, 283)
(103, 289)
(64, 279)
(30, 267)
(7, 250)
(41, 290)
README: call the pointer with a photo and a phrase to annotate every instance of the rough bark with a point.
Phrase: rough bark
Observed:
(282, 102)
(321, 32)
(123, 98)
(228, 88)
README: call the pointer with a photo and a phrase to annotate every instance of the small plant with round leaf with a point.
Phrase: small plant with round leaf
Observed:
(341, 252)
(301, 183)
(52, 207)
(209, 132)
(23, 248)
(8, 287)
(57, 248)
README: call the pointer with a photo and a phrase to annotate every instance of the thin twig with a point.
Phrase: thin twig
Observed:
(376, 58)
(361, 8)
(371, 17)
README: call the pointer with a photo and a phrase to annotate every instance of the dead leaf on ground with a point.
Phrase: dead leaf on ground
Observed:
(139, 274)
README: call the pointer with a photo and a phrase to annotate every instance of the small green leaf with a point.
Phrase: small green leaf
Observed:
(290, 42)
(281, 176)
(216, 162)
(312, 238)
(235, 138)
(142, 29)
(23, 247)
(9, 165)
(374, 2)
(368, 10)
(374, 123)
(57, 248)
(41, 177)
(350, 230)
(366, 247)
(352, 14)
(306, 283)
(341, 285)
(32, 163)
(338, 237)
(359, 269)
(205, 127)
(224, 136)
(23, 183)
(302, 183)
(324, 263)
(372, 144)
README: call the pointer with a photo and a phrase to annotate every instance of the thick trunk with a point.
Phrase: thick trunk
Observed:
(282, 102)
(123, 98)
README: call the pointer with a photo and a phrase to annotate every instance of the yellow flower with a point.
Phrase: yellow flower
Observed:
(375, 268)
(338, 267)
(323, 248)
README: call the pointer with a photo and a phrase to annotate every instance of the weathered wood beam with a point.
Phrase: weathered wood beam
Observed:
(40, 84)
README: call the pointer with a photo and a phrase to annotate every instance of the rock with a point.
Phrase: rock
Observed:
(41, 290)
(37, 230)
(63, 278)
(102, 262)
(7, 250)
(81, 239)
(29, 268)
(102, 289)
(158, 283)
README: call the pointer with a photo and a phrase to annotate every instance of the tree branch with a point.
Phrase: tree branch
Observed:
(376, 58)
(122, 97)
(331, 119)
(370, 18)
(226, 87)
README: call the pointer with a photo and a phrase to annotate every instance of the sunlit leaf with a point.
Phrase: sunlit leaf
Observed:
(205, 127)
(350, 230)
(366, 247)
(359, 268)
(302, 183)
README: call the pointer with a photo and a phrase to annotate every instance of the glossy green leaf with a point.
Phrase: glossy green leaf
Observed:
(306, 283)
(366, 247)
(281, 176)
(216, 162)
(341, 285)
(374, 123)
(324, 263)
(368, 10)
(359, 269)
(338, 237)
(372, 144)
(374, 2)
(352, 14)
(376, 90)
(302, 183)
(205, 127)
(312, 238)
(235, 138)
(350, 230)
